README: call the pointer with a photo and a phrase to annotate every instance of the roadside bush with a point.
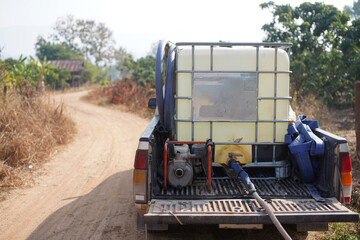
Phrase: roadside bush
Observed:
(30, 130)
(128, 93)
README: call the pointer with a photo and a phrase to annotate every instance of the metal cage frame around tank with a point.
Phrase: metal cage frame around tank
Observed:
(211, 45)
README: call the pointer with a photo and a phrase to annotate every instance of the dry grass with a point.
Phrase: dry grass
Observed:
(30, 130)
(331, 119)
(126, 95)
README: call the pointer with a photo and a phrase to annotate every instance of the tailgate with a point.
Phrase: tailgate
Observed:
(246, 211)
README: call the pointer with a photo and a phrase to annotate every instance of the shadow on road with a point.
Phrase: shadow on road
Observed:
(106, 212)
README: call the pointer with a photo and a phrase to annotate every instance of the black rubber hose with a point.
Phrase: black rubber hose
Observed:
(251, 188)
(159, 77)
(169, 101)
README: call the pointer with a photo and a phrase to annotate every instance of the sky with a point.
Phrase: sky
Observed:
(136, 24)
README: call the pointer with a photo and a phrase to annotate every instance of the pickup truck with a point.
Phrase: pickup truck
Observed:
(220, 101)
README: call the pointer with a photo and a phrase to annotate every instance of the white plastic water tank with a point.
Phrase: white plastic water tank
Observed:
(224, 97)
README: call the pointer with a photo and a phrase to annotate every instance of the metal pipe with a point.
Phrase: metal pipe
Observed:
(277, 98)
(192, 89)
(165, 164)
(211, 58)
(230, 121)
(207, 71)
(287, 45)
(249, 143)
(257, 105)
(187, 98)
(179, 172)
(187, 142)
(275, 103)
(209, 167)
(281, 163)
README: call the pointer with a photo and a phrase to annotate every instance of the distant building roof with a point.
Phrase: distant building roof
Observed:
(70, 65)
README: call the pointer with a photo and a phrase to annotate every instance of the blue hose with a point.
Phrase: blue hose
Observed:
(240, 172)
(303, 144)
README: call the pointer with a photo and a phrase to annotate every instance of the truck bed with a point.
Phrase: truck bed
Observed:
(227, 202)
(246, 211)
(226, 188)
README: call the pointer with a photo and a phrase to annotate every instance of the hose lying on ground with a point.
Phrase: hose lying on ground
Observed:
(252, 190)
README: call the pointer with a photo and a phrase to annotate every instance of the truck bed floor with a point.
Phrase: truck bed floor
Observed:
(234, 188)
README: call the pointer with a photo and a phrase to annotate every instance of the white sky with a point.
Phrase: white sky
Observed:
(138, 23)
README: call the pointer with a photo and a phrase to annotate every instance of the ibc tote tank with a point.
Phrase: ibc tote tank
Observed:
(228, 94)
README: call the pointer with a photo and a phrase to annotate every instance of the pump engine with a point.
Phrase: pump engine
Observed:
(186, 162)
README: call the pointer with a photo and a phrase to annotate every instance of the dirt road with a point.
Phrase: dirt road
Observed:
(86, 191)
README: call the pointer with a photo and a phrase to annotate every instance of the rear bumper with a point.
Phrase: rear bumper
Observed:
(246, 211)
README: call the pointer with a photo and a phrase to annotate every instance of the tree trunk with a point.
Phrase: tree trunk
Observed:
(357, 117)
(41, 84)
(4, 94)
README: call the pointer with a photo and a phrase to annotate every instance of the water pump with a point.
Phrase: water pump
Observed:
(184, 161)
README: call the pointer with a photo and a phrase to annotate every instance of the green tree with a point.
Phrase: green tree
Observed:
(66, 32)
(97, 41)
(94, 74)
(57, 78)
(86, 37)
(316, 32)
(142, 70)
(54, 51)
(120, 58)
(351, 51)
(354, 11)
(51, 51)
(21, 74)
(4, 78)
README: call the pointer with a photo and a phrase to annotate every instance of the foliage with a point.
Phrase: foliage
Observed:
(143, 69)
(343, 231)
(127, 93)
(319, 63)
(25, 73)
(86, 37)
(93, 42)
(94, 73)
(10, 62)
(353, 11)
(4, 74)
(57, 78)
(51, 51)
(351, 49)
(120, 57)
(32, 72)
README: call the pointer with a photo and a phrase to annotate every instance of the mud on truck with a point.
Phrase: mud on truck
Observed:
(225, 147)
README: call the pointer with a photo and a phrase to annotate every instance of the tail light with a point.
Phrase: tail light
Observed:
(140, 173)
(140, 159)
(346, 177)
